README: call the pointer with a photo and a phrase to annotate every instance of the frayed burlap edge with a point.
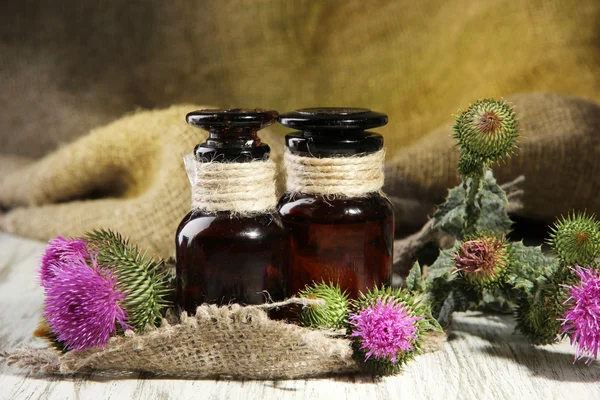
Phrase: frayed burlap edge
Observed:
(233, 341)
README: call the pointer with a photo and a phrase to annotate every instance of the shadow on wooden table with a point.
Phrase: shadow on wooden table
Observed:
(545, 363)
(499, 339)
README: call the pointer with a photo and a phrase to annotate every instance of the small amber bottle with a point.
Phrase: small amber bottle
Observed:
(230, 247)
(340, 225)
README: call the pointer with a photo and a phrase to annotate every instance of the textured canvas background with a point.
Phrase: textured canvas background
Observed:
(71, 66)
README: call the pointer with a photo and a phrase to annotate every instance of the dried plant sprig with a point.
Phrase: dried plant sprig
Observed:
(139, 275)
(332, 313)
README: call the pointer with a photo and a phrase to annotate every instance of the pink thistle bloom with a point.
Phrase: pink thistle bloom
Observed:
(482, 260)
(581, 320)
(82, 304)
(58, 252)
(384, 330)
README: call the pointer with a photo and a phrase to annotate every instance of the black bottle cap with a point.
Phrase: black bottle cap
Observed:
(232, 134)
(333, 131)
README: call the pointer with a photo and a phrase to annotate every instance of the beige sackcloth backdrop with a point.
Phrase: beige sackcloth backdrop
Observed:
(75, 76)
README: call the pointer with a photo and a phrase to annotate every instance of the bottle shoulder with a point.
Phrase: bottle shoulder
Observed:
(301, 206)
(227, 225)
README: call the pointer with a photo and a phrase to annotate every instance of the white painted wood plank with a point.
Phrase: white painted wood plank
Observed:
(483, 359)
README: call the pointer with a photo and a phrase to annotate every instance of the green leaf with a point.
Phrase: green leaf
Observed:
(530, 267)
(492, 201)
(450, 215)
(414, 280)
(443, 265)
(490, 209)
(445, 314)
(439, 280)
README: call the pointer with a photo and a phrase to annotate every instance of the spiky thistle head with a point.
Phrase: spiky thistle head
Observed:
(83, 304)
(470, 166)
(61, 251)
(483, 261)
(576, 239)
(138, 274)
(487, 130)
(332, 313)
(387, 327)
(581, 320)
(538, 315)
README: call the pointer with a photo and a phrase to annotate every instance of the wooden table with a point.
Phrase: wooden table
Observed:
(482, 359)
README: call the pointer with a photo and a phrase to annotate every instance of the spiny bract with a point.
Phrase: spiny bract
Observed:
(576, 239)
(332, 313)
(538, 316)
(487, 130)
(138, 275)
(470, 166)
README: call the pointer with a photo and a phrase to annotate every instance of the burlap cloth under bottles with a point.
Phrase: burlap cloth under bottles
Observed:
(236, 342)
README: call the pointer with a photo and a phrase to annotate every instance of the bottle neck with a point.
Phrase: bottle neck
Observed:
(232, 145)
(333, 143)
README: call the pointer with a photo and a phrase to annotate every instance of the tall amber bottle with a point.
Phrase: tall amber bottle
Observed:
(230, 247)
(340, 224)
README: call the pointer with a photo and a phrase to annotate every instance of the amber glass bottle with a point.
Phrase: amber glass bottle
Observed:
(340, 238)
(225, 256)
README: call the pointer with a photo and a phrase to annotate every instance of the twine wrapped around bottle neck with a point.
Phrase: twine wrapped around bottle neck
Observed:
(351, 176)
(240, 188)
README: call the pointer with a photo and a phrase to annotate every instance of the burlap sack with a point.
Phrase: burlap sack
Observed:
(134, 167)
(68, 69)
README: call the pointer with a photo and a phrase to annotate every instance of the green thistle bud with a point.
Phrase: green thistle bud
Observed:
(487, 130)
(332, 314)
(576, 239)
(539, 316)
(470, 166)
(483, 261)
(388, 327)
(139, 276)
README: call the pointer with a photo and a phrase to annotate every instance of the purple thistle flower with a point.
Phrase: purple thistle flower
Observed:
(58, 252)
(82, 304)
(581, 320)
(384, 330)
(482, 260)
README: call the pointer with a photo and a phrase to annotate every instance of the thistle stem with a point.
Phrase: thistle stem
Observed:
(471, 210)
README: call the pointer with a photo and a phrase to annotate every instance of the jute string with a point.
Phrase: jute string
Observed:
(352, 176)
(237, 187)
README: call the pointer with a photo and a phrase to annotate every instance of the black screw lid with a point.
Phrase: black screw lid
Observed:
(337, 118)
(333, 131)
(232, 133)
